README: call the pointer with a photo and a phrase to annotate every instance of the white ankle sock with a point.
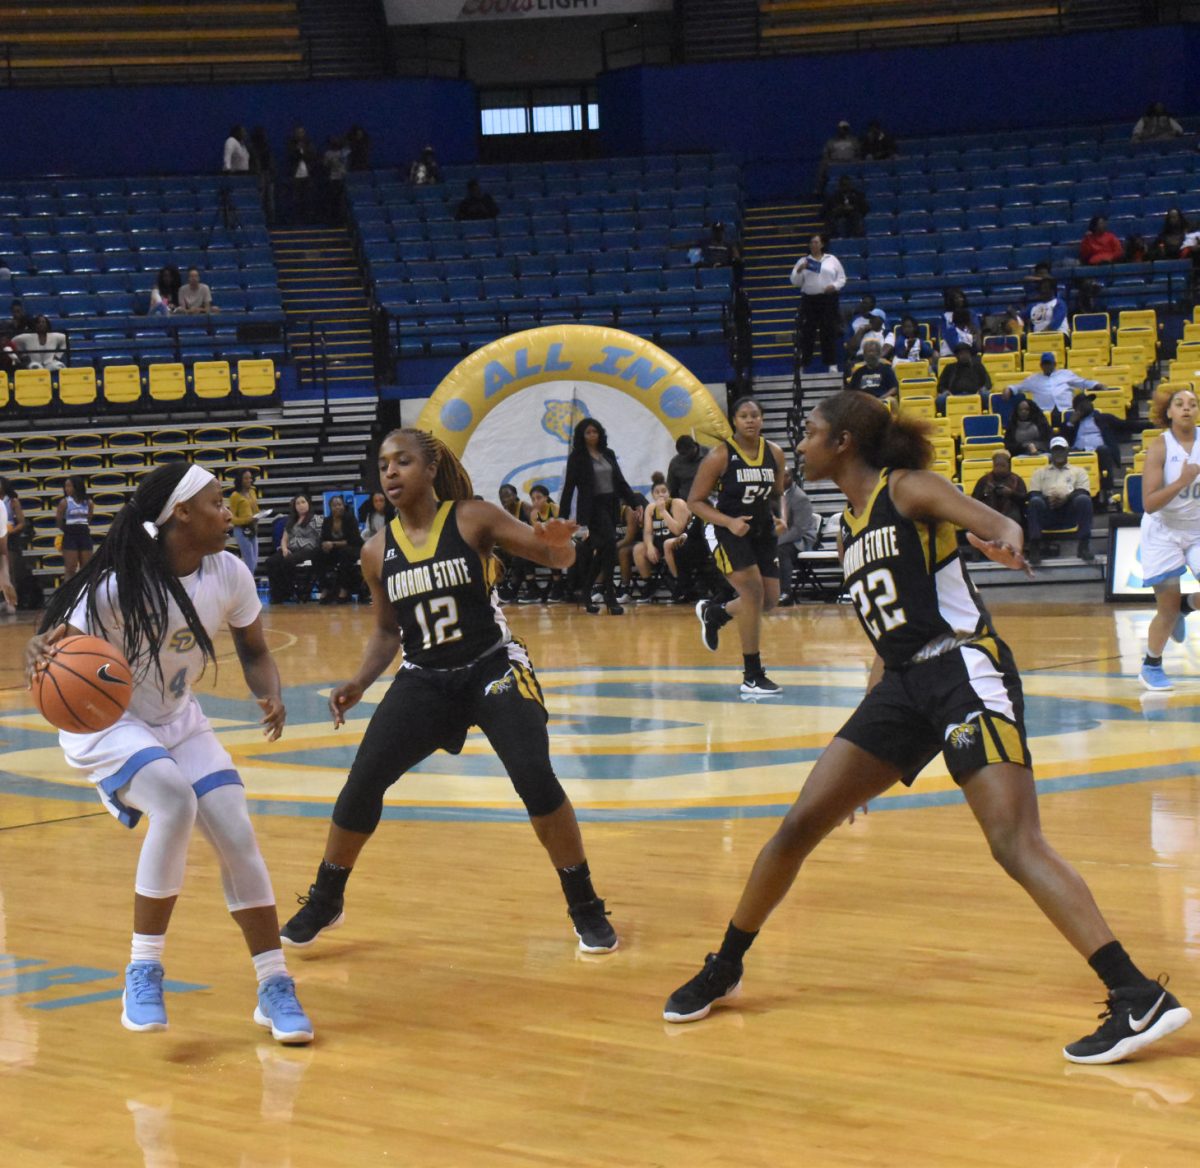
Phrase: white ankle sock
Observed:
(269, 964)
(147, 947)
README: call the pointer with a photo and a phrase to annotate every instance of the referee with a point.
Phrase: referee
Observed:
(820, 277)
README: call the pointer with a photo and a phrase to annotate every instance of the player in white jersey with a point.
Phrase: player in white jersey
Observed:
(159, 588)
(1170, 524)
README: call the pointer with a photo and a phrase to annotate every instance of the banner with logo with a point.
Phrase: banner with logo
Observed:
(452, 11)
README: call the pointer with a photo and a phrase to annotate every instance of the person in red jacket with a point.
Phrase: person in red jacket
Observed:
(1099, 245)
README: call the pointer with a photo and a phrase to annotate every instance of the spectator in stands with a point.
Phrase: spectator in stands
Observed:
(26, 584)
(298, 545)
(1089, 429)
(964, 376)
(873, 375)
(877, 142)
(519, 572)
(954, 300)
(802, 528)
(74, 516)
(820, 277)
(961, 329)
(335, 161)
(1053, 388)
(164, 296)
(664, 532)
(1169, 243)
(262, 163)
(716, 251)
(243, 505)
(337, 557)
(1136, 251)
(863, 310)
(681, 470)
(1049, 313)
(194, 296)
(870, 329)
(906, 344)
(541, 510)
(842, 147)
(359, 143)
(1058, 497)
(478, 204)
(18, 322)
(1028, 430)
(1001, 490)
(236, 159)
(425, 170)
(1099, 245)
(41, 349)
(845, 210)
(1156, 125)
(374, 515)
(301, 171)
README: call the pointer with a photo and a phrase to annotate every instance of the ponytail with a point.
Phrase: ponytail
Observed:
(139, 579)
(883, 439)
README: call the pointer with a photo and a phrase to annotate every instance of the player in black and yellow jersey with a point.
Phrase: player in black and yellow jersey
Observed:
(431, 575)
(942, 681)
(747, 474)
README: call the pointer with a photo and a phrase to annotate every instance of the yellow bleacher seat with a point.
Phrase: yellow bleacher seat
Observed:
(212, 435)
(972, 472)
(210, 456)
(997, 362)
(1139, 461)
(957, 407)
(122, 438)
(1145, 318)
(256, 378)
(83, 441)
(1025, 464)
(1090, 342)
(1188, 352)
(1191, 330)
(940, 427)
(1173, 386)
(168, 382)
(1111, 401)
(918, 407)
(1147, 436)
(945, 469)
(211, 380)
(257, 432)
(5, 392)
(1143, 341)
(77, 387)
(1038, 343)
(918, 387)
(169, 437)
(31, 388)
(908, 370)
(122, 385)
(1003, 378)
(1091, 463)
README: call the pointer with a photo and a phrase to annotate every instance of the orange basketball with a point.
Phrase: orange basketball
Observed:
(84, 686)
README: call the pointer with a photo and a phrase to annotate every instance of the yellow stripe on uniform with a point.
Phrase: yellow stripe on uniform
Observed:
(721, 559)
(991, 745)
(1010, 741)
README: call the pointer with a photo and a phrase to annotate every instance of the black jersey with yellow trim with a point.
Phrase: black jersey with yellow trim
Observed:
(747, 483)
(442, 593)
(908, 582)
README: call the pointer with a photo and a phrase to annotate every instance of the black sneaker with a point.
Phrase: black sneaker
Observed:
(595, 934)
(718, 981)
(317, 913)
(711, 617)
(760, 686)
(1132, 1019)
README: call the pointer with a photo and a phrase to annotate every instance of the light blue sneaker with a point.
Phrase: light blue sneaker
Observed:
(281, 1013)
(1179, 631)
(142, 1006)
(1154, 677)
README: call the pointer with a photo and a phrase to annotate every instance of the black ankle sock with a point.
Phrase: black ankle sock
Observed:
(736, 942)
(331, 880)
(1186, 604)
(1148, 660)
(752, 664)
(576, 883)
(1115, 968)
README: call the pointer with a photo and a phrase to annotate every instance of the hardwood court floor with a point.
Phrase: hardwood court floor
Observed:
(905, 1007)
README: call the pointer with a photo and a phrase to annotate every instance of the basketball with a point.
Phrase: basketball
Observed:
(84, 686)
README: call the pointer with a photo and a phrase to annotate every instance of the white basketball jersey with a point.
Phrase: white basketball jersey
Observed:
(222, 591)
(1183, 511)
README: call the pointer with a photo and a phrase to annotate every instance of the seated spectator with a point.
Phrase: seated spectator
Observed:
(1058, 497)
(845, 210)
(1156, 125)
(236, 157)
(906, 344)
(337, 557)
(1168, 245)
(1049, 313)
(961, 329)
(716, 251)
(425, 170)
(41, 349)
(842, 147)
(1028, 430)
(871, 329)
(873, 376)
(801, 530)
(164, 296)
(877, 142)
(1136, 251)
(519, 572)
(541, 510)
(1052, 388)
(864, 309)
(195, 297)
(298, 545)
(964, 376)
(477, 204)
(664, 530)
(18, 321)
(374, 515)
(1089, 429)
(1001, 490)
(1099, 245)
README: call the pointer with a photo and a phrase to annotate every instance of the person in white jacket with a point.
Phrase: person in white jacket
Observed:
(820, 277)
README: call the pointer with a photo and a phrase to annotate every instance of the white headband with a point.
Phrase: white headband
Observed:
(192, 483)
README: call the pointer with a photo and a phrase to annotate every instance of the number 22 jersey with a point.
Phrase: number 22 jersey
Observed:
(907, 580)
(442, 595)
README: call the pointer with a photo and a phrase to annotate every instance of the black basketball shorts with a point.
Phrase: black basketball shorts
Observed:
(758, 548)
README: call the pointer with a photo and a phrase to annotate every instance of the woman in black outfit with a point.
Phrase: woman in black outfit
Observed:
(1028, 431)
(337, 558)
(593, 472)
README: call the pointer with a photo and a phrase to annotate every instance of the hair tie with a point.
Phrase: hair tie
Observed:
(150, 528)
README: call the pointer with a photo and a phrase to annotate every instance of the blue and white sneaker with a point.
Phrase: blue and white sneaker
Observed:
(1154, 677)
(1179, 631)
(280, 1012)
(142, 1006)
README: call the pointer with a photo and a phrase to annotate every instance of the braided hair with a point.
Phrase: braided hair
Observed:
(143, 581)
(451, 480)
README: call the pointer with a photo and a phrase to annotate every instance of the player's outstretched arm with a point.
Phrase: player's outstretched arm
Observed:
(485, 526)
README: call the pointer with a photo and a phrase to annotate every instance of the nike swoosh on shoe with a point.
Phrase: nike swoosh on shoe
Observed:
(1137, 1025)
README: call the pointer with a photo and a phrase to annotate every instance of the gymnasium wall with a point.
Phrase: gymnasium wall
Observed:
(180, 129)
(777, 113)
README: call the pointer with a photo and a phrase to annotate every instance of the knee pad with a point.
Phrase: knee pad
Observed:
(539, 789)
